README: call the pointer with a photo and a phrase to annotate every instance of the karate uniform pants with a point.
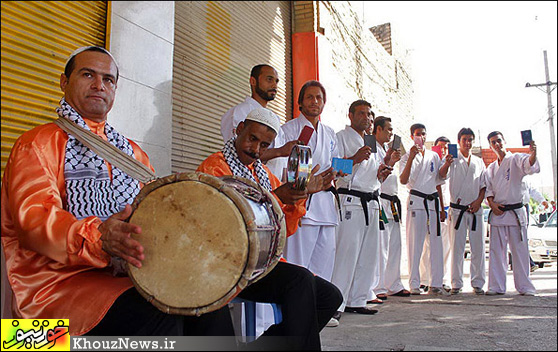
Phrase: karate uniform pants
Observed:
(312, 247)
(390, 259)
(417, 234)
(476, 242)
(356, 257)
(447, 244)
(500, 236)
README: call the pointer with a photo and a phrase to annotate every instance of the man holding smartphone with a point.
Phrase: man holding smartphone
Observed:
(389, 282)
(419, 171)
(467, 185)
(357, 236)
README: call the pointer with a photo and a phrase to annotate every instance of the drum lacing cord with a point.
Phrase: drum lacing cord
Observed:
(107, 151)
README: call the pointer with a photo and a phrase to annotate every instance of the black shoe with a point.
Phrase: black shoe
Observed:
(361, 310)
(424, 288)
(402, 293)
(382, 296)
(337, 315)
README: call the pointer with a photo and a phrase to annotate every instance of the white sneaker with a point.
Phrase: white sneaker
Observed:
(332, 323)
(438, 291)
(415, 291)
(478, 290)
(493, 293)
(528, 293)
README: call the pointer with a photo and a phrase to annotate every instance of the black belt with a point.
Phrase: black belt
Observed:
(427, 197)
(335, 193)
(395, 202)
(508, 207)
(463, 209)
(364, 199)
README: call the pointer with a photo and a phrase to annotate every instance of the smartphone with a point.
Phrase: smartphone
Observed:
(370, 140)
(345, 165)
(396, 142)
(306, 134)
(418, 141)
(452, 150)
(526, 137)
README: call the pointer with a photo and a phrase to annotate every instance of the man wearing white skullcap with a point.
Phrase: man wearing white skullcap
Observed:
(307, 301)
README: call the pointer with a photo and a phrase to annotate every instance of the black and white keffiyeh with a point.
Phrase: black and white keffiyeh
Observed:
(239, 169)
(89, 189)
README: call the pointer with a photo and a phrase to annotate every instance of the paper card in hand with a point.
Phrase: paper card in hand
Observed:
(345, 165)
(437, 149)
(526, 137)
(452, 150)
(305, 134)
(370, 140)
(396, 142)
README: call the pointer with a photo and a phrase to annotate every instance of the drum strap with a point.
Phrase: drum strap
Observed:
(107, 151)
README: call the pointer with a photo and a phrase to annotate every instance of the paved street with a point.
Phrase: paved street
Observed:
(460, 322)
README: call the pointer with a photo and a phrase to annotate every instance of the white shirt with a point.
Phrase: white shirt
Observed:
(237, 114)
(423, 177)
(323, 144)
(466, 180)
(365, 174)
(503, 182)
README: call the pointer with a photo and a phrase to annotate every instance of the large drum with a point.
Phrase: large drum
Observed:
(205, 240)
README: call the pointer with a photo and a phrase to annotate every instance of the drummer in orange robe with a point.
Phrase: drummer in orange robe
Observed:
(63, 212)
(307, 301)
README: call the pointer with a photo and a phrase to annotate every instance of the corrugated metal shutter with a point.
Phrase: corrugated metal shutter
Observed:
(216, 46)
(37, 38)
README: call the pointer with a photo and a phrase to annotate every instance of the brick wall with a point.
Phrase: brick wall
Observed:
(305, 17)
(354, 65)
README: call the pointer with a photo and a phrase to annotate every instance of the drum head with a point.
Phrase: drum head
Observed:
(195, 241)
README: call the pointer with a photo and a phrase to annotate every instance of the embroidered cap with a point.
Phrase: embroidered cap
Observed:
(266, 117)
(91, 48)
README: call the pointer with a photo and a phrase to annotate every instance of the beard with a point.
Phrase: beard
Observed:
(263, 94)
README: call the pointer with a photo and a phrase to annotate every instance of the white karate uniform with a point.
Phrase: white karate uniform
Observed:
(356, 267)
(447, 243)
(313, 244)
(423, 178)
(466, 179)
(504, 184)
(236, 115)
(390, 238)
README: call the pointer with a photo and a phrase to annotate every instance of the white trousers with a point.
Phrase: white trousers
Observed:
(356, 256)
(312, 247)
(390, 259)
(500, 236)
(447, 244)
(476, 242)
(417, 234)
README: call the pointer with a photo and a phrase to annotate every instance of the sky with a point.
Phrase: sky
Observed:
(470, 62)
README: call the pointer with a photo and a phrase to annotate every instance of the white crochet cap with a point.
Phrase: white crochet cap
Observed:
(266, 117)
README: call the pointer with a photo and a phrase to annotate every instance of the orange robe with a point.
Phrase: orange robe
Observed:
(55, 263)
(216, 165)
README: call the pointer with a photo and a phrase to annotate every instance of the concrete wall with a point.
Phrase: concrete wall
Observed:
(142, 41)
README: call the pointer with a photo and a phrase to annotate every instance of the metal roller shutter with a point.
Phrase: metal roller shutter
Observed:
(216, 46)
(37, 38)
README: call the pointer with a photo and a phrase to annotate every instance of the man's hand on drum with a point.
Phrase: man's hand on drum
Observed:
(115, 234)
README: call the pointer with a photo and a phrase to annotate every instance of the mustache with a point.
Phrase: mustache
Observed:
(252, 155)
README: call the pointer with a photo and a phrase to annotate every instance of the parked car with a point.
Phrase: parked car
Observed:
(542, 241)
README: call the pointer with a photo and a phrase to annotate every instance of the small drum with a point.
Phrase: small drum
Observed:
(299, 166)
(205, 239)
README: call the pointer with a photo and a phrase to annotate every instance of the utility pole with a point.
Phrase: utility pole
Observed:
(549, 90)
